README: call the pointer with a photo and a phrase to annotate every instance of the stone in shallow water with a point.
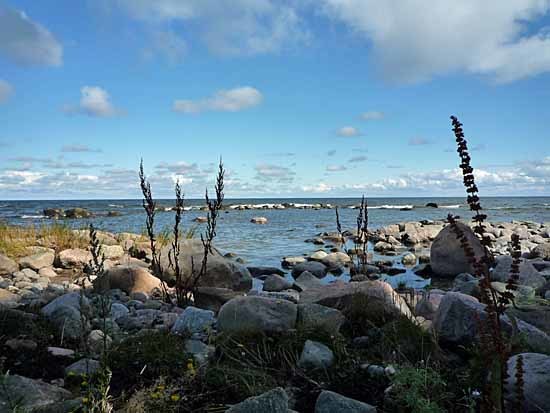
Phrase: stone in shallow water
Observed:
(276, 283)
(316, 268)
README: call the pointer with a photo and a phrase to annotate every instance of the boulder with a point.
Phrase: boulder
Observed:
(194, 320)
(276, 283)
(257, 314)
(316, 268)
(316, 356)
(258, 271)
(118, 310)
(536, 384)
(336, 260)
(289, 262)
(83, 367)
(259, 220)
(315, 317)
(307, 280)
(220, 271)
(447, 257)
(74, 258)
(54, 213)
(408, 259)
(201, 352)
(381, 298)
(128, 279)
(213, 298)
(112, 252)
(7, 298)
(274, 401)
(47, 272)
(30, 395)
(428, 305)
(77, 213)
(318, 255)
(467, 284)
(458, 318)
(7, 265)
(330, 402)
(66, 313)
(38, 261)
(528, 274)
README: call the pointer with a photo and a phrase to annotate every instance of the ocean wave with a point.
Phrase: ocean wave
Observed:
(116, 206)
(450, 206)
(33, 216)
(391, 207)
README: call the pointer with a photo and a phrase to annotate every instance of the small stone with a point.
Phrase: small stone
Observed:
(83, 367)
(194, 320)
(316, 355)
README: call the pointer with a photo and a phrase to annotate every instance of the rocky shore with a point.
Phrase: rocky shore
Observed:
(329, 333)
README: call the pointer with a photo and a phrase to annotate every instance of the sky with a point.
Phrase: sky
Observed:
(300, 98)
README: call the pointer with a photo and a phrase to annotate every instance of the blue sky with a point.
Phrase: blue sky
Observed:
(300, 97)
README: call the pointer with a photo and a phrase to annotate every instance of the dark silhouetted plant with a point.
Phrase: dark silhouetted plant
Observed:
(360, 239)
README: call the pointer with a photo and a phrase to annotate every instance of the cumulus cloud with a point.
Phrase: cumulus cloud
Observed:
(167, 44)
(26, 42)
(94, 102)
(372, 115)
(348, 131)
(321, 187)
(414, 42)
(226, 27)
(6, 90)
(232, 100)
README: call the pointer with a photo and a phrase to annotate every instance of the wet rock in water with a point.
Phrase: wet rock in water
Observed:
(318, 317)
(38, 261)
(200, 220)
(408, 259)
(316, 356)
(381, 301)
(431, 205)
(220, 272)
(54, 213)
(259, 220)
(330, 402)
(316, 268)
(7, 265)
(77, 213)
(274, 401)
(318, 255)
(257, 314)
(528, 274)
(276, 283)
(113, 214)
(194, 320)
(382, 246)
(307, 280)
(336, 260)
(258, 271)
(31, 395)
(212, 298)
(131, 280)
(458, 318)
(536, 385)
(289, 262)
(74, 258)
(447, 256)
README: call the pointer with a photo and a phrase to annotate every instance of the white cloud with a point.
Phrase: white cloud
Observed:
(319, 188)
(232, 100)
(360, 158)
(414, 41)
(336, 168)
(6, 90)
(79, 148)
(26, 42)
(94, 102)
(277, 173)
(348, 131)
(167, 44)
(372, 115)
(226, 27)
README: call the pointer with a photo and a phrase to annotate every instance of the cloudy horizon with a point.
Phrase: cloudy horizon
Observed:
(334, 98)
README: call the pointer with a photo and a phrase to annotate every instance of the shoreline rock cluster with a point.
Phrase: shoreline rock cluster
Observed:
(46, 282)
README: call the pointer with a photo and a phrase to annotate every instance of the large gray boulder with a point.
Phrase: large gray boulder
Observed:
(7, 265)
(536, 379)
(380, 299)
(528, 274)
(330, 402)
(38, 261)
(128, 279)
(257, 315)
(542, 251)
(316, 268)
(220, 271)
(447, 257)
(74, 258)
(213, 298)
(316, 356)
(67, 313)
(276, 283)
(194, 320)
(274, 401)
(458, 319)
(29, 394)
(318, 317)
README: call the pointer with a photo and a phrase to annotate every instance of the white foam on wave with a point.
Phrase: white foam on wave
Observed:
(33, 216)
(450, 206)
(116, 206)
(391, 207)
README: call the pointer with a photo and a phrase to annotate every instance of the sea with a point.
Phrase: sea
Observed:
(286, 230)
